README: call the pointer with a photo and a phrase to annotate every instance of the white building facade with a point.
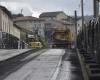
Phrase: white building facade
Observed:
(6, 22)
(9, 34)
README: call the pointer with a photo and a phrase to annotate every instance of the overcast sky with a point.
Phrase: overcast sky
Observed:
(35, 7)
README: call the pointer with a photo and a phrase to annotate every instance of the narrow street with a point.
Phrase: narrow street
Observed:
(49, 40)
(32, 66)
(45, 64)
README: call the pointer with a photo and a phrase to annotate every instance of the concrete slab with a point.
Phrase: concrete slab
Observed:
(6, 54)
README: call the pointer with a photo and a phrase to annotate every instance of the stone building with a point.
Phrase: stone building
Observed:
(55, 20)
(58, 15)
(33, 24)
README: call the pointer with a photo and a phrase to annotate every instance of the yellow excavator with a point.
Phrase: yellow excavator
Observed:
(62, 38)
(33, 43)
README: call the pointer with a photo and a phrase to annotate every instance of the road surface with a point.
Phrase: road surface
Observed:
(46, 64)
(32, 67)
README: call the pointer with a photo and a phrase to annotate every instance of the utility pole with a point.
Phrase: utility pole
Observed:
(82, 12)
(96, 8)
(76, 26)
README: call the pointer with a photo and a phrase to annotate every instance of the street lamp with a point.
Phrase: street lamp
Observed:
(82, 12)
(76, 26)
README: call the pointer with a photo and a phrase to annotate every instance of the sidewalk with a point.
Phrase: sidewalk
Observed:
(70, 68)
(6, 54)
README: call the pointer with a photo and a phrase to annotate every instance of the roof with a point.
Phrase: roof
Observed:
(50, 14)
(86, 18)
(6, 11)
(62, 22)
(27, 18)
(17, 15)
(22, 29)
